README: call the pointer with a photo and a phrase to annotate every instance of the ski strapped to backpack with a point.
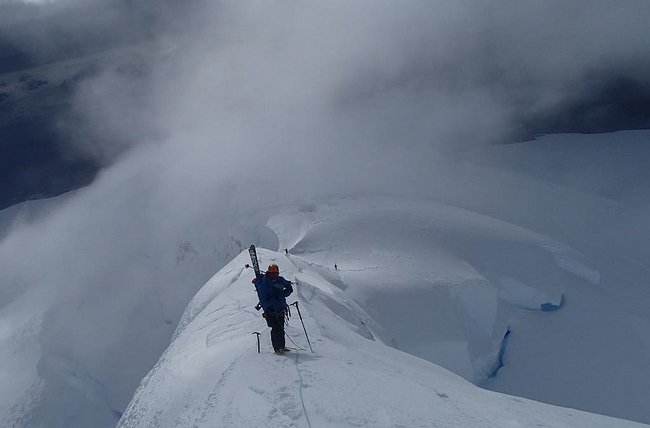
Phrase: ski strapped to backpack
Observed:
(256, 267)
(256, 264)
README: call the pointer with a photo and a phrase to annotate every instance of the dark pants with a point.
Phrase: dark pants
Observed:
(275, 320)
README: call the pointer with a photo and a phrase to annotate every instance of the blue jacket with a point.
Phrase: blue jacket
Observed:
(272, 294)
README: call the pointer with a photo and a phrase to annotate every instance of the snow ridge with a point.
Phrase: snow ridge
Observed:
(211, 374)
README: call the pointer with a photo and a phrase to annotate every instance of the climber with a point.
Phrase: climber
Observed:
(272, 290)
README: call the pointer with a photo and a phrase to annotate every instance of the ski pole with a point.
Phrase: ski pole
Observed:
(303, 324)
(258, 340)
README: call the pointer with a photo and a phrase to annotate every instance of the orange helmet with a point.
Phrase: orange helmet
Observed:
(273, 268)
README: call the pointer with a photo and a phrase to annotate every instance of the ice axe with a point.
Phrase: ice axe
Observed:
(258, 340)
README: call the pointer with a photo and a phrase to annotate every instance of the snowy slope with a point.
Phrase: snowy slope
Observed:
(448, 285)
(615, 166)
(211, 374)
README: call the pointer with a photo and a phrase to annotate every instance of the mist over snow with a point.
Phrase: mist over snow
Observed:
(209, 119)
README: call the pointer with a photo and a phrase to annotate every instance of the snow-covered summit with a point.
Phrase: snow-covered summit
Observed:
(212, 375)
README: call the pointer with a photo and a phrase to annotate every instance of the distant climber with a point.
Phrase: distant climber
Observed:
(336, 267)
(272, 290)
(286, 251)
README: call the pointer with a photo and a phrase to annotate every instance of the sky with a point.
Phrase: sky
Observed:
(216, 106)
